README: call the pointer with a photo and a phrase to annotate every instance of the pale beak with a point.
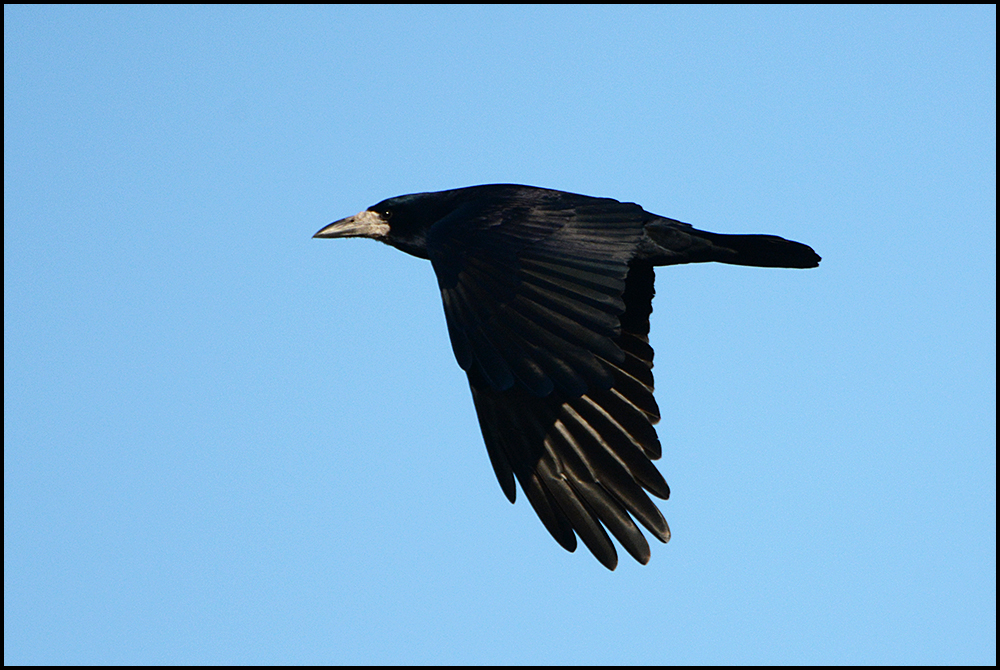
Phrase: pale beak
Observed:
(366, 224)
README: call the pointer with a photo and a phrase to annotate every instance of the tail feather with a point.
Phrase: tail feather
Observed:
(678, 242)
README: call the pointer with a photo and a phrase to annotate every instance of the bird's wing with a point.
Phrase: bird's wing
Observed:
(550, 323)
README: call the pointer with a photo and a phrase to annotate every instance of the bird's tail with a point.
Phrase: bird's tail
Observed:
(681, 243)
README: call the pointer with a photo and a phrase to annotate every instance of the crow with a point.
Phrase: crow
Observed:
(547, 297)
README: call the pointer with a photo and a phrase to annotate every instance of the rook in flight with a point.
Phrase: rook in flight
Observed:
(547, 297)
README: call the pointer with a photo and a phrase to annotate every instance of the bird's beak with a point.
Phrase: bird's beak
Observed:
(366, 224)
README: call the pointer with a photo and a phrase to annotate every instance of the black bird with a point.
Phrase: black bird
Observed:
(547, 297)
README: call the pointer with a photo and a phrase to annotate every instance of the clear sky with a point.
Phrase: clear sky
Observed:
(227, 442)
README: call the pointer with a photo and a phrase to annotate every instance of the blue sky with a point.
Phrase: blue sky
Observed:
(227, 442)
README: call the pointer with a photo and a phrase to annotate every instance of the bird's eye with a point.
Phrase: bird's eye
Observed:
(386, 214)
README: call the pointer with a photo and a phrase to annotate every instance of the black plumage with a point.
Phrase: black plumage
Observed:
(547, 297)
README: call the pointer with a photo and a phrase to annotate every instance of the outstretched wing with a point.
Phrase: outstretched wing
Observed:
(550, 322)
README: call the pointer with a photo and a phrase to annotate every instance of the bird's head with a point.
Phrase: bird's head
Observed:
(401, 222)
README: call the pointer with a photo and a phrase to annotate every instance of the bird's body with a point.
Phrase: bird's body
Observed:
(547, 297)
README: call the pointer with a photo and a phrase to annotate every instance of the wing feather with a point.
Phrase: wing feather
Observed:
(549, 316)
